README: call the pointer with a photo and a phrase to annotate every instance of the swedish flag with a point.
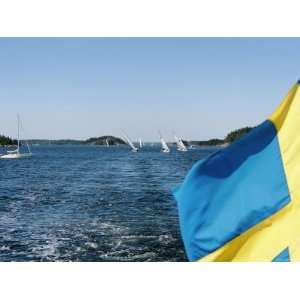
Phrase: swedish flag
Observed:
(242, 203)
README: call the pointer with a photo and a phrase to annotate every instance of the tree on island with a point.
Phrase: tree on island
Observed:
(236, 134)
(7, 141)
(211, 142)
(102, 140)
(230, 138)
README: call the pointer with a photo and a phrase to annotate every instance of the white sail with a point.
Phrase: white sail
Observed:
(180, 145)
(28, 148)
(16, 153)
(141, 143)
(164, 146)
(107, 143)
(129, 142)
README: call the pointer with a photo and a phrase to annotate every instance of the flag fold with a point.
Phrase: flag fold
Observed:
(242, 203)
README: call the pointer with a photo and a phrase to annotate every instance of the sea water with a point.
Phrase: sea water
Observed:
(92, 203)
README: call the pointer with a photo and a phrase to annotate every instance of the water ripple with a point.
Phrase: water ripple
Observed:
(81, 203)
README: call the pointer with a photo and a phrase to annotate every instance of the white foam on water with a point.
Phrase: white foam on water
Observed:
(91, 245)
(3, 248)
(140, 236)
(166, 238)
(116, 256)
(146, 255)
(30, 197)
(119, 243)
(49, 250)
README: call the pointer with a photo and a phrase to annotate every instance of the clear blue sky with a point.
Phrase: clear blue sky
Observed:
(201, 88)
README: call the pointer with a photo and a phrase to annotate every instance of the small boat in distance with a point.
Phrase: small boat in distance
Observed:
(141, 143)
(164, 146)
(129, 142)
(16, 153)
(180, 145)
(107, 143)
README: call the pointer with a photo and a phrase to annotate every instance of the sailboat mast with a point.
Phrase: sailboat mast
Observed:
(18, 117)
(128, 141)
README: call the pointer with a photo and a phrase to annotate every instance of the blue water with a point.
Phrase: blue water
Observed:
(92, 203)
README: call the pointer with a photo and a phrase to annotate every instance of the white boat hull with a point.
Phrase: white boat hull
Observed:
(15, 155)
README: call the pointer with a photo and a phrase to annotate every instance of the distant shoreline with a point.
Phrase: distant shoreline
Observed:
(101, 141)
(112, 140)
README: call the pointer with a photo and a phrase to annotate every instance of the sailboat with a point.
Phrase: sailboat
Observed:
(141, 143)
(107, 143)
(16, 153)
(164, 146)
(180, 145)
(129, 142)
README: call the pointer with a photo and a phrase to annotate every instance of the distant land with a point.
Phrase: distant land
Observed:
(112, 140)
(7, 141)
(91, 141)
(230, 138)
